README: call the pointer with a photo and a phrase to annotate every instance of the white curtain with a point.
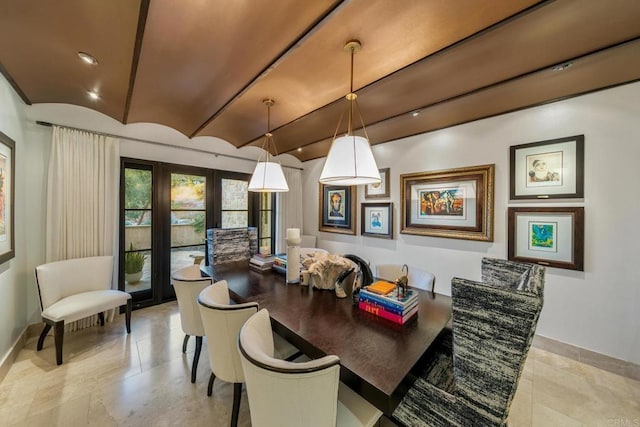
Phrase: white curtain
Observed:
(82, 199)
(289, 207)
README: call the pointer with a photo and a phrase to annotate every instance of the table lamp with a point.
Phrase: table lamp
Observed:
(293, 255)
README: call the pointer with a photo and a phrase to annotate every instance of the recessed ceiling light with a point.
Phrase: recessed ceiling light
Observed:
(562, 67)
(93, 94)
(299, 149)
(415, 113)
(88, 58)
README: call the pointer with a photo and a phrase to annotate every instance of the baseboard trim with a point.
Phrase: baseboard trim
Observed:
(12, 354)
(588, 357)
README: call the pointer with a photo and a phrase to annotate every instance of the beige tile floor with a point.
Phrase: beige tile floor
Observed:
(110, 378)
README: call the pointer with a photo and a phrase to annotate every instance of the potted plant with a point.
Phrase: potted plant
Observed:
(133, 263)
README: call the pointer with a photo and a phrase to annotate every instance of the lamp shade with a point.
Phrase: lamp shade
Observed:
(268, 177)
(350, 162)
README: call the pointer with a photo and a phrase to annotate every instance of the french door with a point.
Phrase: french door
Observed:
(165, 212)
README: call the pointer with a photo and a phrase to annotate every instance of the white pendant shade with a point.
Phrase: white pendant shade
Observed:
(350, 162)
(268, 177)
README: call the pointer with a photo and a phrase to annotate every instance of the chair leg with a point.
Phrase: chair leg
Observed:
(43, 334)
(101, 318)
(184, 343)
(210, 386)
(128, 315)
(237, 394)
(58, 336)
(196, 358)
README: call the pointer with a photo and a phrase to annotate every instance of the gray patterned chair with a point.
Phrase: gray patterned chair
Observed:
(471, 377)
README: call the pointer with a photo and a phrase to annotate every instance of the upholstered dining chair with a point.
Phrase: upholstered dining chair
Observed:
(283, 393)
(472, 376)
(188, 283)
(222, 322)
(418, 278)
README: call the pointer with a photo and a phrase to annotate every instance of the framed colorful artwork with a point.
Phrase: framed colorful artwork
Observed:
(552, 237)
(376, 220)
(550, 169)
(452, 203)
(7, 187)
(380, 190)
(337, 209)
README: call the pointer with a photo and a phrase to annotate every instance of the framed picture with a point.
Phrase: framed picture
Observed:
(552, 237)
(376, 220)
(7, 186)
(337, 209)
(550, 169)
(453, 203)
(380, 190)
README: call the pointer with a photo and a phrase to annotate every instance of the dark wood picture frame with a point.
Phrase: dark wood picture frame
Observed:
(551, 169)
(452, 203)
(379, 191)
(376, 220)
(339, 216)
(554, 236)
(7, 198)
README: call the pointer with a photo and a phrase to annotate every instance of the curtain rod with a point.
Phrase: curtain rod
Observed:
(146, 141)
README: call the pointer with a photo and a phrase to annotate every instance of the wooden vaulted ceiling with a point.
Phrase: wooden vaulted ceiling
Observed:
(204, 66)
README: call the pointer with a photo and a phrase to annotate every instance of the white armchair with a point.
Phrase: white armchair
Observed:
(418, 278)
(76, 288)
(283, 393)
(188, 283)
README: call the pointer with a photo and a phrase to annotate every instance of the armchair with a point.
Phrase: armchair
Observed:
(473, 375)
(73, 289)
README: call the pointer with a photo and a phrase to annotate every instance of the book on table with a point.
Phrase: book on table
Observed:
(392, 298)
(379, 311)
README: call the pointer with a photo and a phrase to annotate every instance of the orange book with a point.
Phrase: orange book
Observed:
(380, 287)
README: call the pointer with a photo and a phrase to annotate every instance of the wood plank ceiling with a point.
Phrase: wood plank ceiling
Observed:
(204, 66)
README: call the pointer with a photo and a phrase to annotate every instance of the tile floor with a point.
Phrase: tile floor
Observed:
(110, 378)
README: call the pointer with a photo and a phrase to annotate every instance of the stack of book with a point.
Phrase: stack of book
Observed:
(381, 299)
(280, 263)
(261, 262)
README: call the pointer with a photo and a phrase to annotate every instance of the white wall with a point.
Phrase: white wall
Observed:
(597, 309)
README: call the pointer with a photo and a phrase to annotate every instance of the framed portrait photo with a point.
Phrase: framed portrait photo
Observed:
(380, 190)
(552, 237)
(7, 187)
(337, 209)
(376, 220)
(452, 203)
(548, 169)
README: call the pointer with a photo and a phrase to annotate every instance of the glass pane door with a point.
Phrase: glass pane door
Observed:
(138, 226)
(188, 219)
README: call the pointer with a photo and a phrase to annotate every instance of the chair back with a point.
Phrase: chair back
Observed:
(285, 393)
(418, 278)
(222, 322)
(188, 283)
(493, 327)
(60, 279)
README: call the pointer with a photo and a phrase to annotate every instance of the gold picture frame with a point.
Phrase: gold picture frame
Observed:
(337, 209)
(452, 203)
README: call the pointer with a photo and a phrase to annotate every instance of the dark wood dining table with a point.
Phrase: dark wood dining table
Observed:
(376, 355)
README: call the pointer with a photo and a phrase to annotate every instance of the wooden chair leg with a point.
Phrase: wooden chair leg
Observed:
(43, 335)
(128, 315)
(58, 336)
(196, 358)
(237, 395)
(101, 318)
(210, 386)
(184, 343)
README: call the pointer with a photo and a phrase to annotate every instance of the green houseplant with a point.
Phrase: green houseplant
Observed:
(133, 264)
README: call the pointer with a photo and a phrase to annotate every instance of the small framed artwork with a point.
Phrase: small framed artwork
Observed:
(453, 203)
(550, 169)
(380, 190)
(337, 209)
(552, 237)
(377, 220)
(7, 187)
